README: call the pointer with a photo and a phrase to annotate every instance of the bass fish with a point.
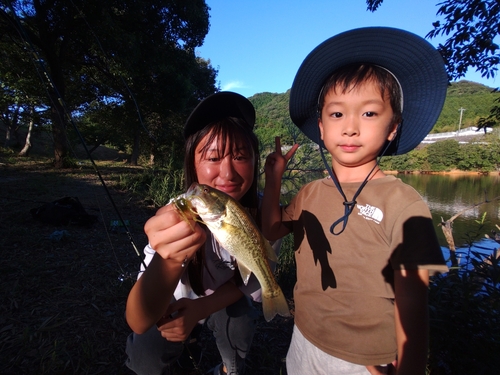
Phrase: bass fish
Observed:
(236, 232)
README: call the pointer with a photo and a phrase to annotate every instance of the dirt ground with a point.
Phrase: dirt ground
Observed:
(64, 287)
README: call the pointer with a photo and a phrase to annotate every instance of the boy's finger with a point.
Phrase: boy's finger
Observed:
(277, 143)
(290, 152)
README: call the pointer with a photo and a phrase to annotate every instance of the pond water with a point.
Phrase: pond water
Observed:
(447, 195)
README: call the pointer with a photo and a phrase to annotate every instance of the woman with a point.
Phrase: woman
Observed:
(190, 277)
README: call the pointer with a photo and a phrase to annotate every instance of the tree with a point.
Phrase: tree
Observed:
(20, 94)
(471, 27)
(444, 155)
(138, 55)
(163, 73)
(474, 24)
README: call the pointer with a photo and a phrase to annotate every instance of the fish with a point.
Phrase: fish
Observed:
(236, 231)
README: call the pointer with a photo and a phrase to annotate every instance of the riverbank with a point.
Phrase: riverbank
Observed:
(452, 172)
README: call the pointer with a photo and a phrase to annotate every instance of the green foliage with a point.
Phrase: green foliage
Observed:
(473, 25)
(476, 157)
(443, 155)
(415, 160)
(447, 155)
(464, 88)
(156, 185)
(273, 119)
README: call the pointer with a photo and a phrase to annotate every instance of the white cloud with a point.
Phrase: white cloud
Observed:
(233, 85)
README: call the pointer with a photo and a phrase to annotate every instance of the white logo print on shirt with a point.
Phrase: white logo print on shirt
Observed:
(371, 213)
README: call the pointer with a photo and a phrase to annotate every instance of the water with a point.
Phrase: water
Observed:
(447, 195)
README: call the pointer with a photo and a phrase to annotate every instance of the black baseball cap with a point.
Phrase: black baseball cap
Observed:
(218, 106)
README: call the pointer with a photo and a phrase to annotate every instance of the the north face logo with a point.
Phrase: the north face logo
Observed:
(371, 213)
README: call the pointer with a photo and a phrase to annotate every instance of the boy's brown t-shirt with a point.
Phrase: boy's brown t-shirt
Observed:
(344, 292)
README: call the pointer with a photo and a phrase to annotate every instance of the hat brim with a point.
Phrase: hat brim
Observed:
(415, 63)
(217, 107)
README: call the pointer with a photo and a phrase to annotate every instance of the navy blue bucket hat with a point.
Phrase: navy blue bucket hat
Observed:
(218, 106)
(415, 63)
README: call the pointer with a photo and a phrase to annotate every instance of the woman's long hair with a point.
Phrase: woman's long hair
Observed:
(236, 133)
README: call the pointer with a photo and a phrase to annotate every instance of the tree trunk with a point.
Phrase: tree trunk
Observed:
(27, 145)
(447, 227)
(11, 124)
(59, 134)
(134, 158)
(54, 51)
(8, 133)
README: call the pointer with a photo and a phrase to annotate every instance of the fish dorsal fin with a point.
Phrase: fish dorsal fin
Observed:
(244, 272)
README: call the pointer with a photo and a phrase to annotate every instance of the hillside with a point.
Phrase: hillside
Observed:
(476, 99)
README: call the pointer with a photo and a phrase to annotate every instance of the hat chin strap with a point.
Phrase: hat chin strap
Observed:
(349, 205)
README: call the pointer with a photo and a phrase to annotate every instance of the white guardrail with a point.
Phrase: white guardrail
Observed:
(471, 131)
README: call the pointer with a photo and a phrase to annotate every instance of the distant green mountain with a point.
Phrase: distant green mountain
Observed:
(477, 99)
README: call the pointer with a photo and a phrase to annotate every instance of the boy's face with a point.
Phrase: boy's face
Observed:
(355, 126)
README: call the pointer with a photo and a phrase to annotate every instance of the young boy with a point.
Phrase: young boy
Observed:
(364, 241)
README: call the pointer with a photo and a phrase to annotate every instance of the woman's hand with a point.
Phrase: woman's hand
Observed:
(172, 237)
(179, 320)
(175, 241)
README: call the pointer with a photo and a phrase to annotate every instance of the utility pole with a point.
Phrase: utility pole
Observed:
(460, 122)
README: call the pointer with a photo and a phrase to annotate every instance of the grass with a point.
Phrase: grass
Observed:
(64, 300)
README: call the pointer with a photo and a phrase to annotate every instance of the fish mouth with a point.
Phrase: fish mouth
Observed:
(203, 202)
(193, 189)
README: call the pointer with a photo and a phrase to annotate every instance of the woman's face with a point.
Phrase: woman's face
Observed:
(230, 170)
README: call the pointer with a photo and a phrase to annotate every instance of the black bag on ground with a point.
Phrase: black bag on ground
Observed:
(64, 211)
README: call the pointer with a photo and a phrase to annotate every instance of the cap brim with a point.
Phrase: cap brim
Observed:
(417, 65)
(217, 107)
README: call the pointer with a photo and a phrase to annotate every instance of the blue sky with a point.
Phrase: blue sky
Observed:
(258, 45)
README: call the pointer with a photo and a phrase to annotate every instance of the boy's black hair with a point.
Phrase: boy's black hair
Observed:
(350, 76)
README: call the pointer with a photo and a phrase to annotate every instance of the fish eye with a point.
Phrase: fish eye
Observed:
(205, 190)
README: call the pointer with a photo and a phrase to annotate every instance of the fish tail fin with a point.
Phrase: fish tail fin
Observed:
(274, 303)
